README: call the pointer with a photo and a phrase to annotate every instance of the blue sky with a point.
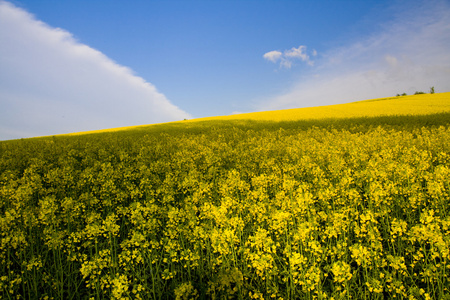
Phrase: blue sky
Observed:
(69, 65)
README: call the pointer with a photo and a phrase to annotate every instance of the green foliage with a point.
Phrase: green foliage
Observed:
(432, 90)
(230, 210)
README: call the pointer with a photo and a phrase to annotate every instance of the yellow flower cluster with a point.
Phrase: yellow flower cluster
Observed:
(357, 209)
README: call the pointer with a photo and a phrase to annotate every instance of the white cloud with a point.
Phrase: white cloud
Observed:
(50, 83)
(288, 57)
(273, 56)
(299, 53)
(410, 53)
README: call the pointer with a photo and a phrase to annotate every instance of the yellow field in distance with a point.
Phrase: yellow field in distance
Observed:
(421, 104)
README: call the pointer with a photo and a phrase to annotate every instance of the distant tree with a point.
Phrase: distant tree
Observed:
(432, 90)
(404, 94)
(418, 93)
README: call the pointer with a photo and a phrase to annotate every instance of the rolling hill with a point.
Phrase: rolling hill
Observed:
(413, 105)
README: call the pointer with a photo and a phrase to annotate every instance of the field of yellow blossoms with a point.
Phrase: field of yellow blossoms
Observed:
(351, 205)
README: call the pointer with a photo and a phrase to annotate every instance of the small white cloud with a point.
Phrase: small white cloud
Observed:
(50, 83)
(300, 53)
(288, 57)
(273, 56)
(297, 53)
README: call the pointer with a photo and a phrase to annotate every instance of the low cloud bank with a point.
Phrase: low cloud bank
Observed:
(50, 83)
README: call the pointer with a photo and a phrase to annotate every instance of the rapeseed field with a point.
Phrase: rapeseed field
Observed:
(339, 202)
(404, 105)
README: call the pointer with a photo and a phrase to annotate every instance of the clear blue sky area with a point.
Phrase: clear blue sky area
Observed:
(221, 57)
